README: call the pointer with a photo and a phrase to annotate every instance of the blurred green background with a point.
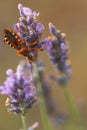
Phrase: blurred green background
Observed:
(71, 18)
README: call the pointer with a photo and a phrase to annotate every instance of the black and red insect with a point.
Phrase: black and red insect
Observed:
(14, 40)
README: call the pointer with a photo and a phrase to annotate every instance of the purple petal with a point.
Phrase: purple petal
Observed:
(39, 28)
(27, 11)
(48, 45)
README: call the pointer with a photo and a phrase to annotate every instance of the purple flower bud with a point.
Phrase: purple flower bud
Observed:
(27, 11)
(20, 6)
(24, 11)
(10, 72)
(39, 28)
(48, 44)
(36, 14)
(52, 29)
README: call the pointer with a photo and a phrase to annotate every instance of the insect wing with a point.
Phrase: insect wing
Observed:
(12, 39)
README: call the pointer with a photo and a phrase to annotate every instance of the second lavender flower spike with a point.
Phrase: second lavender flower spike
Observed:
(58, 50)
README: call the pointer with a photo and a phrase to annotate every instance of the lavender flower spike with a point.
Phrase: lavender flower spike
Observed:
(21, 91)
(30, 31)
(58, 49)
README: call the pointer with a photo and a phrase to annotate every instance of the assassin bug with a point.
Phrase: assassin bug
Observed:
(14, 40)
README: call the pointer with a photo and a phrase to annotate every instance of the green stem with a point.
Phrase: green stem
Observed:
(72, 106)
(23, 118)
(42, 105)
